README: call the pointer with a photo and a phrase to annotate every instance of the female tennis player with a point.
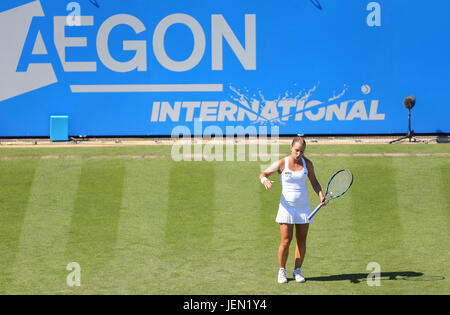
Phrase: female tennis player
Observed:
(294, 205)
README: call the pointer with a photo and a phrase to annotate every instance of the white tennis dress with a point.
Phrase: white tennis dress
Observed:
(294, 205)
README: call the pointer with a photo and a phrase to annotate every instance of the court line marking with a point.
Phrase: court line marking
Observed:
(156, 156)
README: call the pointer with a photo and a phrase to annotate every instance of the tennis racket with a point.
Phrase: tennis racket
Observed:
(338, 185)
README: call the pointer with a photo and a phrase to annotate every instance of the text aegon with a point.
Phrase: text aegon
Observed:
(220, 30)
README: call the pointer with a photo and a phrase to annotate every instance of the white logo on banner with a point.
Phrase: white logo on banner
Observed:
(256, 108)
(13, 83)
(22, 73)
(29, 60)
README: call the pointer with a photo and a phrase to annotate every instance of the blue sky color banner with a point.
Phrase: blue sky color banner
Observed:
(147, 67)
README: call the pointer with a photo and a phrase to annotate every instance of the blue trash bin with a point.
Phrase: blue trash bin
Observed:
(59, 128)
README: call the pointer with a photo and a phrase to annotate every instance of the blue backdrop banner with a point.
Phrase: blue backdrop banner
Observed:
(149, 67)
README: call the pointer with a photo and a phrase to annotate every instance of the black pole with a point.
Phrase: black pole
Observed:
(408, 102)
(409, 124)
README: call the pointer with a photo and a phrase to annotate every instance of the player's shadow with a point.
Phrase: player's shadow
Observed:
(359, 277)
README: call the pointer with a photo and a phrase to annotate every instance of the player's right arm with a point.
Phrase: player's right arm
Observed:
(274, 167)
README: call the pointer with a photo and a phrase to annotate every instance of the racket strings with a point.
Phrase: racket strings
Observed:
(340, 183)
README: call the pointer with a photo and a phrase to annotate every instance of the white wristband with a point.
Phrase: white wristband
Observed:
(263, 180)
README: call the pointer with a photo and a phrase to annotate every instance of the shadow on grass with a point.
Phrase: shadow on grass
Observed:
(398, 275)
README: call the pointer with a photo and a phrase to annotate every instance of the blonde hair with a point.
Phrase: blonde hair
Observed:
(299, 140)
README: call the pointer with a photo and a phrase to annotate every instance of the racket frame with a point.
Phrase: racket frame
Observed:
(311, 215)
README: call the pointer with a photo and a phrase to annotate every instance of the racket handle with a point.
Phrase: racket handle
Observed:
(314, 212)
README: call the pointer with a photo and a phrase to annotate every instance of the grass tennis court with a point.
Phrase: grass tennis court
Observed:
(139, 223)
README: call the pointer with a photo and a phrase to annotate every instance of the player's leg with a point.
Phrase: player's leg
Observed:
(287, 231)
(301, 232)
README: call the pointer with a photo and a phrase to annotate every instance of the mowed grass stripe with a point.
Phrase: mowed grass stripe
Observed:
(444, 184)
(425, 216)
(331, 255)
(268, 231)
(237, 248)
(94, 224)
(44, 230)
(375, 214)
(137, 266)
(16, 181)
(189, 227)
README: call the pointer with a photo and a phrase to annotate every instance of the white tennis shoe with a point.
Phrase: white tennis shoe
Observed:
(297, 275)
(282, 276)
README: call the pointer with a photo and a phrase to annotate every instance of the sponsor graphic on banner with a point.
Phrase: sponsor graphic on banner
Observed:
(147, 67)
(36, 75)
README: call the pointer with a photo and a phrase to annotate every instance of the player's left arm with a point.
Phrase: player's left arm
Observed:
(313, 180)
